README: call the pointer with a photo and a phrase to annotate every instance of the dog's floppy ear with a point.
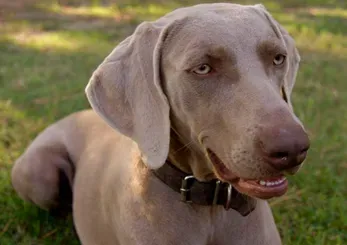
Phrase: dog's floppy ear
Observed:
(293, 56)
(125, 91)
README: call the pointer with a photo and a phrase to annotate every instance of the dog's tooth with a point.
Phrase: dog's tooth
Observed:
(272, 183)
(268, 183)
(282, 179)
(262, 182)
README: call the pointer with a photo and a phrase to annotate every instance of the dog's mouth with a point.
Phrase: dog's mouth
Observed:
(262, 188)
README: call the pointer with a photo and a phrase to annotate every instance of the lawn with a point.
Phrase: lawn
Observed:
(48, 52)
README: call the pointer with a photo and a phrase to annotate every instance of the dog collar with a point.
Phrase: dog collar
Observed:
(214, 192)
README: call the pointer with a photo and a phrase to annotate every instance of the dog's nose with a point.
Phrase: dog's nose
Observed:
(284, 147)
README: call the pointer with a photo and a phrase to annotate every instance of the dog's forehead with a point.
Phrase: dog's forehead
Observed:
(227, 27)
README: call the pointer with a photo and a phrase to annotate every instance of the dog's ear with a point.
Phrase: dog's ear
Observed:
(293, 56)
(126, 92)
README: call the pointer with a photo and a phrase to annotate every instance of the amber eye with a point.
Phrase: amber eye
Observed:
(279, 59)
(203, 69)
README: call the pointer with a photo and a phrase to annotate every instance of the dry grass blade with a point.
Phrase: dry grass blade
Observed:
(6, 227)
(48, 234)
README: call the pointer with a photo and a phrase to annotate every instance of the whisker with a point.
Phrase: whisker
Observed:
(181, 137)
(183, 147)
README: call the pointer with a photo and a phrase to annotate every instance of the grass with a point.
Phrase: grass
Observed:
(48, 52)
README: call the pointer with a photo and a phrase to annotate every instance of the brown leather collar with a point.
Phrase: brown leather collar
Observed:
(209, 193)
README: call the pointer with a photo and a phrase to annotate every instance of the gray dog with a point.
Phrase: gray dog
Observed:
(192, 130)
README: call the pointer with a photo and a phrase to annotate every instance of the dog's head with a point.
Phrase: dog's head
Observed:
(219, 78)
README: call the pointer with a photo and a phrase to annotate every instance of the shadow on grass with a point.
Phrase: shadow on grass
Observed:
(111, 17)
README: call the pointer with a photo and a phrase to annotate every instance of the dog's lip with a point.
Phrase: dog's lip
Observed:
(253, 188)
(249, 187)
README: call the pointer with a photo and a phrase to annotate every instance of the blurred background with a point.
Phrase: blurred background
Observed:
(49, 49)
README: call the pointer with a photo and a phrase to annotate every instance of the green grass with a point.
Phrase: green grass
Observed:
(48, 52)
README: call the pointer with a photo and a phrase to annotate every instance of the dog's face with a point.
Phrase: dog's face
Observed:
(225, 83)
(225, 74)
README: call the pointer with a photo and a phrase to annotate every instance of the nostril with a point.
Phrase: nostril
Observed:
(304, 151)
(279, 155)
(302, 155)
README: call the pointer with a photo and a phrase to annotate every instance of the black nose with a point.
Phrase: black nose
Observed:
(284, 146)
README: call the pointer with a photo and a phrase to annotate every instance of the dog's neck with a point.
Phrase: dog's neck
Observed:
(188, 159)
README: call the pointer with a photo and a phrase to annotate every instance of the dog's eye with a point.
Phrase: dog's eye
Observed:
(279, 59)
(203, 69)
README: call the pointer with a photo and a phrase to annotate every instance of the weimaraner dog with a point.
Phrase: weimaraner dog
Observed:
(192, 130)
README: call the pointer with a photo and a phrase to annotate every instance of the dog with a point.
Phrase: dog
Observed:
(191, 131)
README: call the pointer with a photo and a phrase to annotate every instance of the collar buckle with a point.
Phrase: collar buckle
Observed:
(216, 193)
(186, 187)
(227, 204)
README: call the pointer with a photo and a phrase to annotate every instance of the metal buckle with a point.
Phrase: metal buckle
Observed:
(227, 204)
(216, 192)
(185, 188)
